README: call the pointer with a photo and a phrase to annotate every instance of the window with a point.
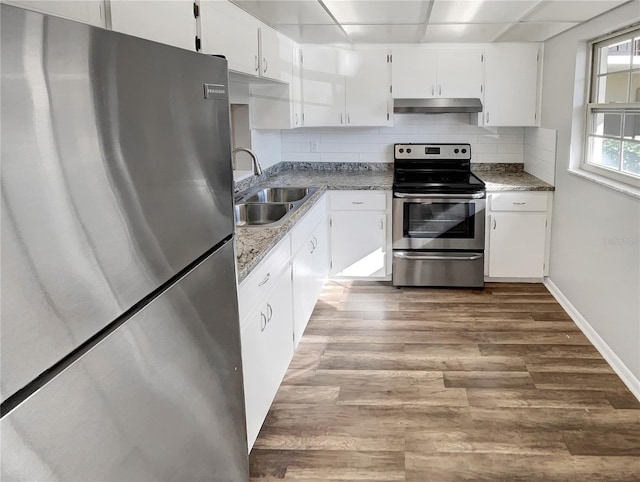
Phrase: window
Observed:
(613, 112)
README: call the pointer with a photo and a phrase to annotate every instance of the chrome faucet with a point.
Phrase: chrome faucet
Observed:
(257, 170)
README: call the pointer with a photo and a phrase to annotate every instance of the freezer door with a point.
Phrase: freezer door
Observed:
(159, 399)
(116, 174)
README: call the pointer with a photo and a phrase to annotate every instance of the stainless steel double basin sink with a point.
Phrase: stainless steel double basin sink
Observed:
(269, 206)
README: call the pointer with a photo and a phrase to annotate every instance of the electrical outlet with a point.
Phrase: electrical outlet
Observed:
(314, 146)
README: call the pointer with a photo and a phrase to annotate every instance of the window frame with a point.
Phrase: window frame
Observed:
(592, 107)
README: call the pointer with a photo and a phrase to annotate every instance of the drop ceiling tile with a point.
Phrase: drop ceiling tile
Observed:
(534, 32)
(479, 11)
(384, 33)
(378, 11)
(313, 34)
(571, 11)
(287, 12)
(463, 32)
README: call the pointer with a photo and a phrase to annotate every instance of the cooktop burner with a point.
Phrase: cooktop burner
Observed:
(434, 168)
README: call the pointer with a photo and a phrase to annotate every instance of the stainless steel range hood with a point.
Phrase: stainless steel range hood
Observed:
(436, 106)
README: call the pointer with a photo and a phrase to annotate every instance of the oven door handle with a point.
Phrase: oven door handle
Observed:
(478, 195)
(435, 257)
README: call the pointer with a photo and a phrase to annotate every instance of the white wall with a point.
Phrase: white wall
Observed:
(595, 250)
(375, 144)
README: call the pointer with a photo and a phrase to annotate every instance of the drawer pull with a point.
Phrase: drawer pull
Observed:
(357, 202)
(263, 321)
(494, 223)
(270, 312)
(520, 203)
(266, 278)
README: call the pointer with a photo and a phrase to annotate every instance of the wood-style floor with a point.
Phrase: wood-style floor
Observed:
(438, 385)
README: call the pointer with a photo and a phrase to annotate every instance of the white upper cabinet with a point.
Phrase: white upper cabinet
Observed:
(250, 46)
(345, 87)
(296, 89)
(230, 31)
(419, 72)
(414, 72)
(168, 22)
(323, 89)
(511, 79)
(367, 85)
(276, 53)
(85, 11)
(459, 73)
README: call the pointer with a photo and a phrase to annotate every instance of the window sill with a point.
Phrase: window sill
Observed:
(606, 182)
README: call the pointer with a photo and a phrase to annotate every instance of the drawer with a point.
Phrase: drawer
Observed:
(359, 201)
(303, 228)
(525, 201)
(256, 286)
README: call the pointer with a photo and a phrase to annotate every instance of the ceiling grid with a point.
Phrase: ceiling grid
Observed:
(424, 21)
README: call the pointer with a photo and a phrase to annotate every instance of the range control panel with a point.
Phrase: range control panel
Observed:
(432, 151)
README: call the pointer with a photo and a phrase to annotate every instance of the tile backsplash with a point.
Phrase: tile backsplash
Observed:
(540, 153)
(375, 144)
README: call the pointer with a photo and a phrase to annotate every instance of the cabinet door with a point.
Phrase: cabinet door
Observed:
(168, 22)
(267, 349)
(358, 244)
(517, 245)
(296, 88)
(230, 31)
(413, 72)
(368, 81)
(511, 85)
(459, 73)
(85, 11)
(322, 87)
(270, 53)
(303, 288)
(320, 259)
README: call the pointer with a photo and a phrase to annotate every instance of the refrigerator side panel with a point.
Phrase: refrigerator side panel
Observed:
(159, 399)
(116, 174)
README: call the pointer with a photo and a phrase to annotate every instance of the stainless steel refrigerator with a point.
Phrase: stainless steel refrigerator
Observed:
(120, 343)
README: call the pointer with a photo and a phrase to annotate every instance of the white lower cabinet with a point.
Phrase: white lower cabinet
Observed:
(267, 349)
(359, 234)
(266, 321)
(275, 303)
(310, 270)
(517, 235)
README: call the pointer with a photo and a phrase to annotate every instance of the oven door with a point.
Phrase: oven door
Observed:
(438, 222)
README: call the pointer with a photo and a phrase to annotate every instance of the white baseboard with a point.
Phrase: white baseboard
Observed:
(627, 376)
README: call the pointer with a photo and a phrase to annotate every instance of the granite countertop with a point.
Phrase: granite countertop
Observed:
(508, 177)
(253, 243)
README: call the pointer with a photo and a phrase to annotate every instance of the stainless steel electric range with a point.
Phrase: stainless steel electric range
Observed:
(438, 217)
